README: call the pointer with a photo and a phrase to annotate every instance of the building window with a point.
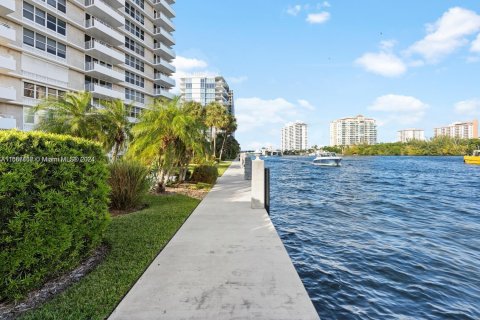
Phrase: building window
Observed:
(44, 19)
(134, 13)
(38, 40)
(134, 46)
(140, 3)
(29, 90)
(135, 30)
(36, 91)
(134, 112)
(134, 62)
(134, 79)
(134, 95)
(28, 37)
(28, 11)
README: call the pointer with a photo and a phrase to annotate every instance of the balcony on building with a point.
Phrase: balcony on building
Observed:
(7, 122)
(7, 33)
(163, 35)
(101, 92)
(161, 49)
(161, 19)
(163, 65)
(102, 31)
(103, 51)
(116, 4)
(159, 92)
(102, 10)
(165, 7)
(8, 94)
(7, 64)
(7, 7)
(99, 71)
(163, 79)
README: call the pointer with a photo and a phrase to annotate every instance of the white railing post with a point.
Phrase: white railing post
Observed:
(258, 183)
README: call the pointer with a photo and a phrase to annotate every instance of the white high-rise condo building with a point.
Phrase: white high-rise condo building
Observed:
(462, 130)
(294, 136)
(112, 48)
(410, 134)
(353, 131)
(207, 89)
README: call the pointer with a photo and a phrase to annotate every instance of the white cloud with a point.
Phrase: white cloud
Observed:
(306, 104)
(447, 34)
(383, 63)
(468, 107)
(399, 108)
(237, 80)
(317, 18)
(256, 113)
(294, 10)
(476, 44)
(188, 64)
(326, 4)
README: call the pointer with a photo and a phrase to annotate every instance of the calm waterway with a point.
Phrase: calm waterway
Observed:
(382, 237)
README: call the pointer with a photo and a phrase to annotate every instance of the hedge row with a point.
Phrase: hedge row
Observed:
(53, 206)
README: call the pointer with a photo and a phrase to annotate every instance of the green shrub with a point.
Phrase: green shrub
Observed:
(54, 206)
(205, 174)
(129, 184)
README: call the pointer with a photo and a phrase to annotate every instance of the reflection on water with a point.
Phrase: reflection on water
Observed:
(382, 237)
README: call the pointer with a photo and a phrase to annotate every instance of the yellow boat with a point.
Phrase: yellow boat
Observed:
(473, 159)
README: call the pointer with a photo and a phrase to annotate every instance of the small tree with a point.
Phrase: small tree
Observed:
(161, 137)
(230, 126)
(115, 126)
(216, 117)
(71, 114)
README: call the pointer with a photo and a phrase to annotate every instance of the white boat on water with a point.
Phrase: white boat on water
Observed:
(327, 159)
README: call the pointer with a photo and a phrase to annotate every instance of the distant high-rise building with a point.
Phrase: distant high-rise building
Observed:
(410, 134)
(115, 49)
(206, 89)
(352, 131)
(294, 136)
(462, 130)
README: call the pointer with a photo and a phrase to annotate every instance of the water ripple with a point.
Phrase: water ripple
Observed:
(382, 237)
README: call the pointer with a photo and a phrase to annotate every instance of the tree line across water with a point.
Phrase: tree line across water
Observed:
(438, 146)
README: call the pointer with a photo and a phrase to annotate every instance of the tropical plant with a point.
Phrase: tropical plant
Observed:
(216, 117)
(128, 183)
(228, 128)
(71, 114)
(162, 136)
(115, 129)
(205, 174)
(231, 147)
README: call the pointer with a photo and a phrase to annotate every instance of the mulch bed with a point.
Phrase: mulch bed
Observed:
(51, 288)
(185, 189)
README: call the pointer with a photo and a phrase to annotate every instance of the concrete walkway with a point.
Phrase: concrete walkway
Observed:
(226, 262)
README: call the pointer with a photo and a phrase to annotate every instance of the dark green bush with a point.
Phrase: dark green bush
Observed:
(205, 174)
(128, 183)
(53, 206)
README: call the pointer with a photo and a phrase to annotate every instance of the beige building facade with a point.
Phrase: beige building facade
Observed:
(462, 130)
(112, 48)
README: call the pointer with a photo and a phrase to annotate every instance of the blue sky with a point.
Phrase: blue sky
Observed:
(408, 64)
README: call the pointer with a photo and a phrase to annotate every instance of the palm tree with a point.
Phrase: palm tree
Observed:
(230, 126)
(115, 126)
(216, 116)
(71, 114)
(162, 136)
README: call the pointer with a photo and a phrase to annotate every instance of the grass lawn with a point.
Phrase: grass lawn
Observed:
(135, 240)
(222, 167)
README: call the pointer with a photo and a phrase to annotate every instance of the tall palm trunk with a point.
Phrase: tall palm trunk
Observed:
(116, 149)
(223, 145)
